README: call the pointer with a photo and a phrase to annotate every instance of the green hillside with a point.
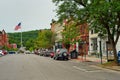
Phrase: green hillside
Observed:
(28, 36)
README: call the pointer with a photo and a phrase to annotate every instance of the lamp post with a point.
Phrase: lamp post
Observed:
(100, 35)
(85, 49)
(107, 50)
(100, 51)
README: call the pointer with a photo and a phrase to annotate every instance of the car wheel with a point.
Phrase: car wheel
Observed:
(67, 59)
(54, 58)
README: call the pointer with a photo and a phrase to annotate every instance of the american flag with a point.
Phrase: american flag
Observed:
(18, 26)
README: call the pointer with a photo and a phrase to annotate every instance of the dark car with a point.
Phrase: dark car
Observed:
(48, 53)
(61, 54)
(11, 52)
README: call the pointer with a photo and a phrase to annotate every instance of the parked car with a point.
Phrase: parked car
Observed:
(52, 54)
(1, 53)
(36, 52)
(48, 53)
(61, 54)
(41, 53)
(27, 52)
(11, 52)
(4, 52)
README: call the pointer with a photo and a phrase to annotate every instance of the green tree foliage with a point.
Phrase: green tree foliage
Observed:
(102, 15)
(28, 38)
(106, 19)
(70, 32)
(30, 44)
(74, 8)
(66, 9)
(44, 39)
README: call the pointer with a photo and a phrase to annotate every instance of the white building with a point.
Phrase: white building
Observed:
(94, 44)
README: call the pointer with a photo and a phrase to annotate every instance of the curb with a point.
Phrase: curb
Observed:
(111, 68)
(88, 60)
(114, 68)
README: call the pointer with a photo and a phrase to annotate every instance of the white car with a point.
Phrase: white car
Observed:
(1, 53)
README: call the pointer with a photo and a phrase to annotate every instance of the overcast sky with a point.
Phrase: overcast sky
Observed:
(33, 14)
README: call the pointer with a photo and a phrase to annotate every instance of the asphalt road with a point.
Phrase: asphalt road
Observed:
(33, 67)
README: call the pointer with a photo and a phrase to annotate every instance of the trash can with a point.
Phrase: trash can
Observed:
(119, 57)
(74, 54)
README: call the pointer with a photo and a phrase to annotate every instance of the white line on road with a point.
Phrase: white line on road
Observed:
(81, 69)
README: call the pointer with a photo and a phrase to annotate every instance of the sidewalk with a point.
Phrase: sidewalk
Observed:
(92, 59)
(98, 61)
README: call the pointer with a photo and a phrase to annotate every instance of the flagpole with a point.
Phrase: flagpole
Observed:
(21, 38)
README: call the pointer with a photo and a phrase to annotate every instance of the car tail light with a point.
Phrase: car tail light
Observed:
(52, 54)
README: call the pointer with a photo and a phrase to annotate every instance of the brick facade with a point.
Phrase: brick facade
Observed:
(3, 39)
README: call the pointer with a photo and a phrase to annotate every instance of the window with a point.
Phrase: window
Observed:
(94, 44)
(91, 31)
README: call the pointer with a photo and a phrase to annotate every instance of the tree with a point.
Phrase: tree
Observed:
(30, 44)
(44, 39)
(66, 9)
(106, 20)
(102, 15)
(70, 32)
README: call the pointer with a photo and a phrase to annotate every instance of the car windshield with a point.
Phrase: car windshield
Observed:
(63, 50)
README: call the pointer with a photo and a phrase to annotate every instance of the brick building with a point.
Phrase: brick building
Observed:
(83, 46)
(84, 36)
(3, 39)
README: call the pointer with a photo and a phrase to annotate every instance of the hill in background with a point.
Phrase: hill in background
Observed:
(26, 36)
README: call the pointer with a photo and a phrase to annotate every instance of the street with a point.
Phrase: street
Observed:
(34, 67)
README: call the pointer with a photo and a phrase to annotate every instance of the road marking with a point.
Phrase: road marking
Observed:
(81, 69)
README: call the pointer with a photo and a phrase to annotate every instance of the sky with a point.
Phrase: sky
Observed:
(33, 14)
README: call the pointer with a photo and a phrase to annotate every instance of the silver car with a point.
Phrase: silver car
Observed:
(61, 54)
